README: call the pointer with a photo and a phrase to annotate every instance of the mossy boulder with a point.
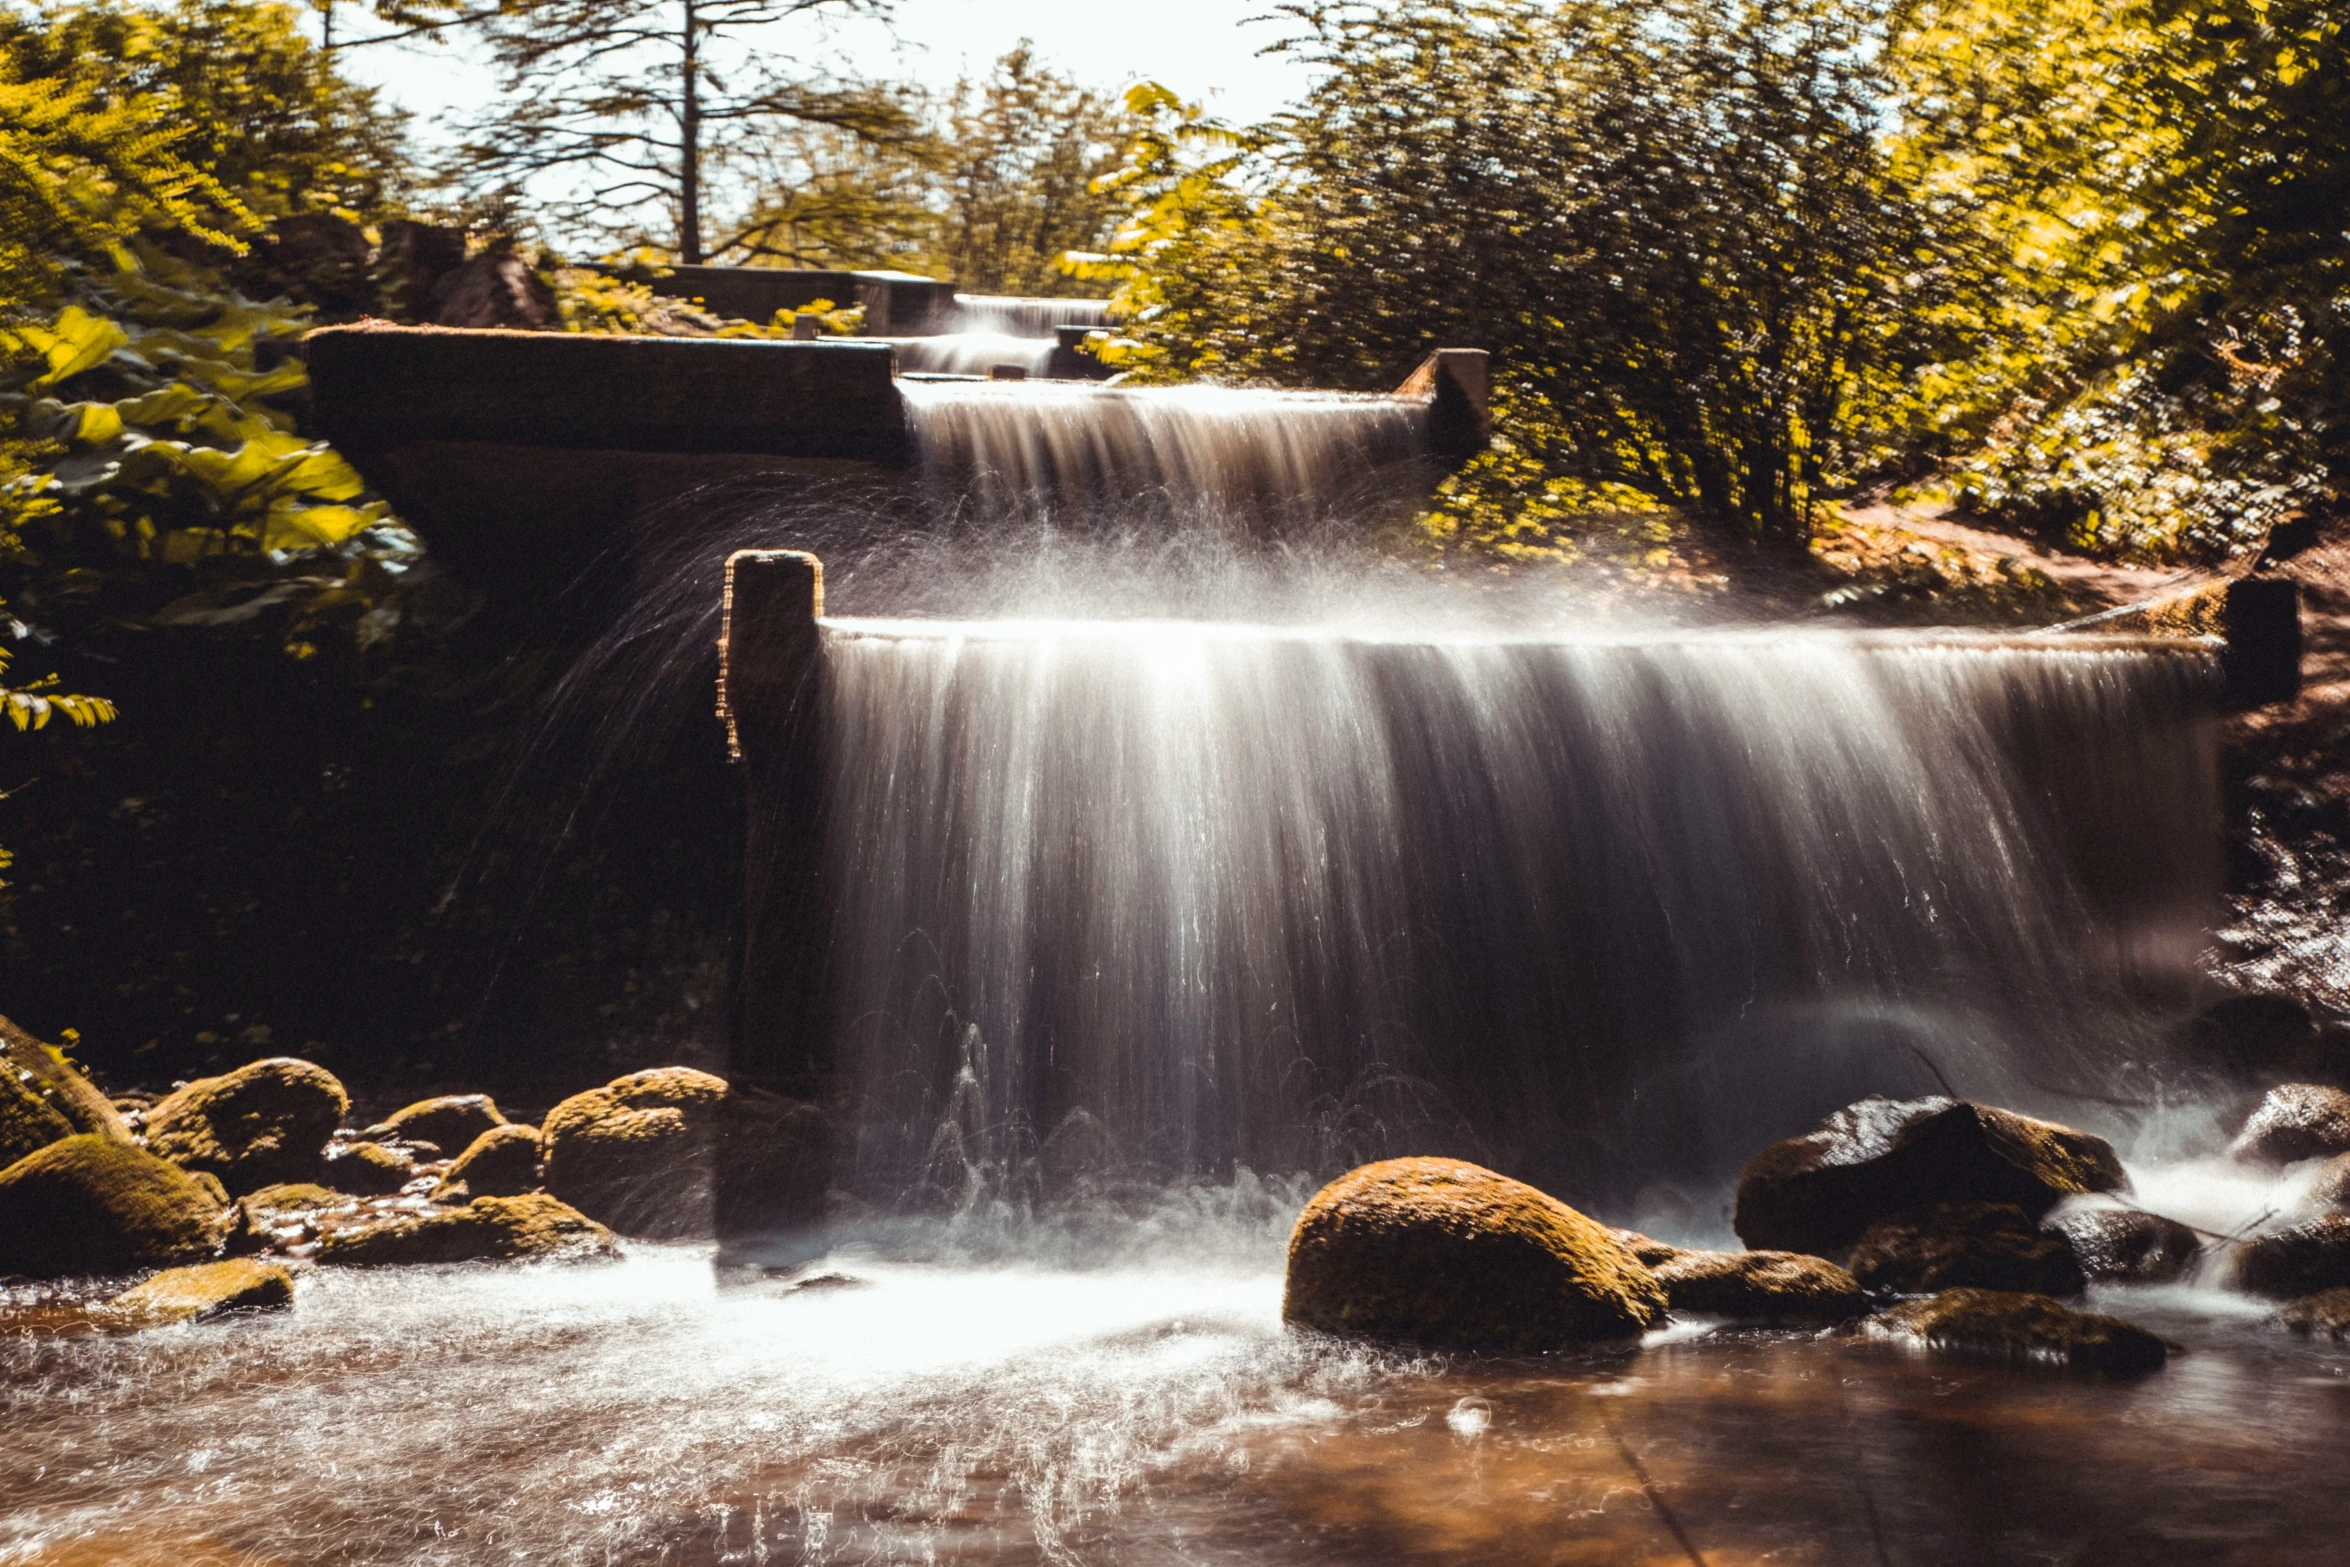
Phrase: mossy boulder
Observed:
(206, 1290)
(1448, 1255)
(2304, 1260)
(90, 1204)
(450, 1122)
(28, 1122)
(2323, 1315)
(2024, 1329)
(2126, 1244)
(281, 1215)
(1817, 1193)
(2296, 1121)
(1769, 1286)
(1964, 1245)
(1652, 1252)
(532, 1226)
(501, 1162)
(640, 1153)
(259, 1125)
(39, 1072)
(367, 1169)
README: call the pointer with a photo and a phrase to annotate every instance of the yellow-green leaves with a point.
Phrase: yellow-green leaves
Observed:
(32, 706)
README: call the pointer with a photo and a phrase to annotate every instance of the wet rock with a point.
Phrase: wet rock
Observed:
(2331, 1189)
(639, 1154)
(2022, 1328)
(501, 1162)
(44, 1100)
(2126, 1244)
(366, 1169)
(2250, 1035)
(2304, 1260)
(279, 1217)
(256, 1126)
(1446, 1254)
(533, 1226)
(1964, 1245)
(2325, 1315)
(89, 1204)
(212, 1186)
(1655, 1253)
(451, 1121)
(1774, 1286)
(1817, 1193)
(2296, 1121)
(205, 1290)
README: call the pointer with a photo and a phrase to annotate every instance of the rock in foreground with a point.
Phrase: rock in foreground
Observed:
(486, 1228)
(1964, 1245)
(256, 1126)
(205, 1290)
(2126, 1244)
(2297, 1121)
(2304, 1260)
(1448, 1255)
(2024, 1329)
(640, 1153)
(2325, 1315)
(502, 1162)
(1770, 1286)
(89, 1204)
(1817, 1193)
(366, 1169)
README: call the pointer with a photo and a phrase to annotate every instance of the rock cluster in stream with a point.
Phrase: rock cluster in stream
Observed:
(1933, 1224)
(232, 1184)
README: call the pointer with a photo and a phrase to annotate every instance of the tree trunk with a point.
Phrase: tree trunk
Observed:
(689, 149)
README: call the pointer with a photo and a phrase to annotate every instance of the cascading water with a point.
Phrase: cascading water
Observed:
(972, 353)
(1016, 315)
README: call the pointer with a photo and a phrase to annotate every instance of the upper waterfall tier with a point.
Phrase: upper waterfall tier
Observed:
(1068, 450)
(1016, 315)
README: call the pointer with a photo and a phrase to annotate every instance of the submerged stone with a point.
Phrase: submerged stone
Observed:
(533, 1226)
(2126, 1244)
(502, 1162)
(639, 1153)
(89, 1204)
(451, 1121)
(1964, 1245)
(259, 1125)
(2303, 1260)
(1448, 1255)
(2023, 1328)
(1817, 1193)
(1774, 1286)
(2296, 1121)
(205, 1290)
(2324, 1315)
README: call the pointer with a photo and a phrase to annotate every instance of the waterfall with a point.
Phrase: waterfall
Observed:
(1016, 316)
(971, 353)
(1076, 450)
(1186, 896)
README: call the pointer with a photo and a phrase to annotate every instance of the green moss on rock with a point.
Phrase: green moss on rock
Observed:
(501, 1162)
(366, 1168)
(1963, 1245)
(2323, 1315)
(1768, 1286)
(28, 1122)
(205, 1290)
(640, 1153)
(2303, 1260)
(89, 1204)
(531, 1226)
(449, 1123)
(2021, 1328)
(259, 1125)
(1445, 1254)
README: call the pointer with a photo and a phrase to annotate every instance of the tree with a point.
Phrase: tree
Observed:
(1021, 153)
(645, 103)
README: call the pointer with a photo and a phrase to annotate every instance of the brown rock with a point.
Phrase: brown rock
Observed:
(1442, 1253)
(451, 1121)
(88, 1204)
(2025, 1329)
(1817, 1193)
(2128, 1244)
(2332, 1186)
(501, 1162)
(256, 1126)
(2325, 1315)
(535, 1226)
(280, 1216)
(495, 289)
(205, 1290)
(639, 1153)
(368, 1169)
(2304, 1260)
(1775, 1286)
(39, 1090)
(1964, 1245)
(28, 1122)
(2297, 1121)
(1655, 1253)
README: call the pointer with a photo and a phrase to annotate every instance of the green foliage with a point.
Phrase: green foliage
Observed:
(616, 296)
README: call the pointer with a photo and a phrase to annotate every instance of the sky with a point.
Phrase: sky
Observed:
(1201, 48)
